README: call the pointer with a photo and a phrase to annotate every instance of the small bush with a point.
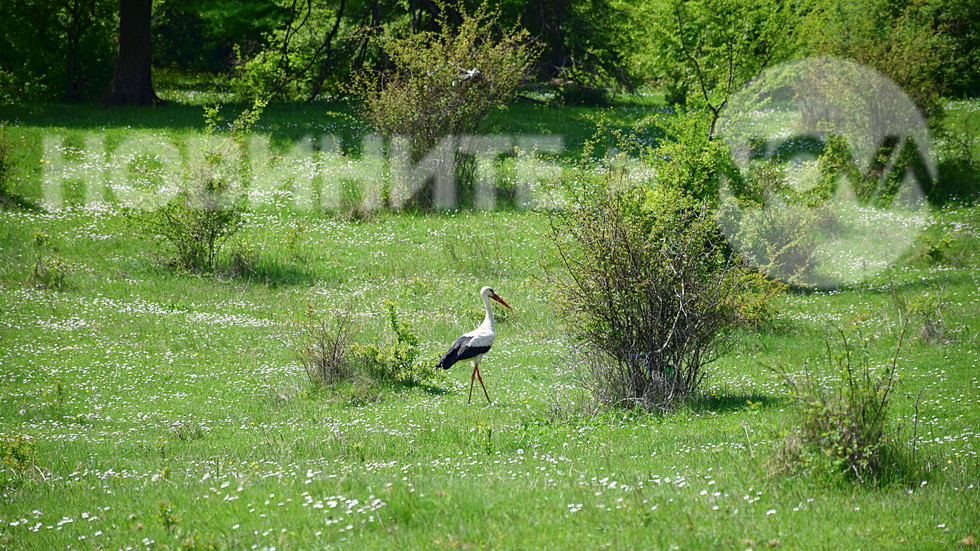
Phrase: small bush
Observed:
(777, 237)
(688, 158)
(925, 312)
(445, 83)
(396, 360)
(197, 223)
(210, 205)
(242, 261)
(843, 427)
(648, 288)
(18, 457)
(326, 346)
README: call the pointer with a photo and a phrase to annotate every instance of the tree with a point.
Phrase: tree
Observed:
(706, 51)
(132, 83)
(581, 40)
(309, 54)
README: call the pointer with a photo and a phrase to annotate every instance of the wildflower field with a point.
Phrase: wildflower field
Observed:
(145, 408)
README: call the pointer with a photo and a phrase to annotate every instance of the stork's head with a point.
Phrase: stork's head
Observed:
(488, 292)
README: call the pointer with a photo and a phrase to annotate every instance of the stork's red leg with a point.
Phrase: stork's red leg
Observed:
(472, 378)
(477, 371)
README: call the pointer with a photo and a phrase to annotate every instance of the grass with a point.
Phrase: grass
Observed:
(167, 410)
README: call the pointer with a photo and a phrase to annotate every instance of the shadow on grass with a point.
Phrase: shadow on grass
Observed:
(957, 182)
(730, 403)
(431, 390)
(174, 116)
(272, 274)
(949, 277)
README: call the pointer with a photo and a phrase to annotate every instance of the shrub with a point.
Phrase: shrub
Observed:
(18, 459)
(648, 288)
(210, 204)
(843, 426)
(242, 261)
(197, 223)
(328, 349)
(926, 312)
(396, 360)
(771, 227)
(898, 40)
(325, 346)
(304, 57)
(691, 160)
(445, 83)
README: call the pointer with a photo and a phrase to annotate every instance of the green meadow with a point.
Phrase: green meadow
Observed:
(145, 408)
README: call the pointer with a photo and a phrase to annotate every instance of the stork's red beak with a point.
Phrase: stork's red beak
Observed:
(500, 300)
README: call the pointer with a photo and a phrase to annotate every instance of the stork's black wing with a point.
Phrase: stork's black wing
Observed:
(461, 350)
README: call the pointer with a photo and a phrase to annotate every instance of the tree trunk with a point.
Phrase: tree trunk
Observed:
(327, 61)
(132, 83)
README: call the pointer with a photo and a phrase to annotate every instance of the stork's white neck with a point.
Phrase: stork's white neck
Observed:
(488, 319)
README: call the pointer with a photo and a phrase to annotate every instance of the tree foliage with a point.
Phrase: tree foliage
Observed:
(310, 54)
(702, 52)
(202, 35)
(582, 41)
(56, 49)
(900, 41)
(693, 50)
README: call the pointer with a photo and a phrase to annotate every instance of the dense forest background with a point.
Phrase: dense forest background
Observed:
(307, 50)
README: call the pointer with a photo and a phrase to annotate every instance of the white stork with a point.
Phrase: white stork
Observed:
(473, 345)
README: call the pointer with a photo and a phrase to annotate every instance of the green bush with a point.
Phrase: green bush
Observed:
(648, 287)
(773, 227)
(198, 222)
(702, 52)
(396, 360)
(843, 427)
(210, 204)
(305, 58)
(52, 50)
(325, 346)
(690, 159)
(18, 459)
(445, 83)
(328, 349)
(897, 40)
